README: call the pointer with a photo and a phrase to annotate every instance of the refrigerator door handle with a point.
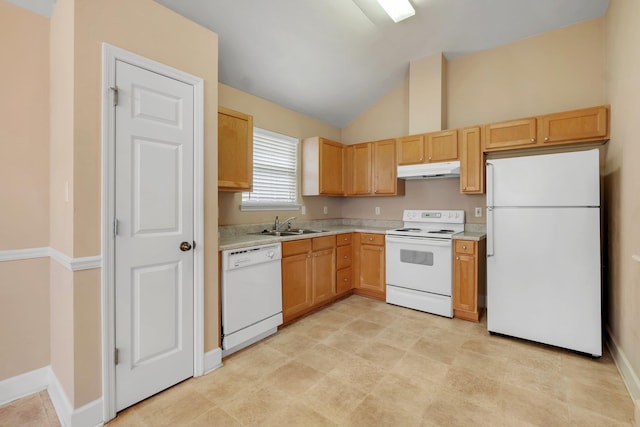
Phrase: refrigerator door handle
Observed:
(489, 173)
(489, 231)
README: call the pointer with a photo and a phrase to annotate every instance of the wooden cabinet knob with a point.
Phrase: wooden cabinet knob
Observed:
(464, 247)
(533, 140)
(546, 138)
(457, 257)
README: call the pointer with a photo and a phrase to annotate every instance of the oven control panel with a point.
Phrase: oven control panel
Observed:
(446, 216)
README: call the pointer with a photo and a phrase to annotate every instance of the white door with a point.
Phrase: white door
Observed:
(154, 212)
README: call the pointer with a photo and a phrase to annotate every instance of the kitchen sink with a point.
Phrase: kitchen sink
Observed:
(291, 232)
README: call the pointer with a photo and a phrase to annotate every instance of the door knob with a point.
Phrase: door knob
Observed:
(185, 246)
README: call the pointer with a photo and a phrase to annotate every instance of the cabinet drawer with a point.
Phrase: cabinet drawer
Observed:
(324, 242)
(344, 239)
(344, 256)
(296, 247)
(372, 239)
(465, 247)
(344, 280)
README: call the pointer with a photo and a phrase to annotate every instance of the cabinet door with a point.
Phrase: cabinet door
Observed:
(385, 167)
(372, 269)
(465, 285)
(343, 257)
(573, 126)
(344, 281)
(323, 275)
(361, 169)
(296, 285)
(331, 167)
(508, 135)
(442, 146)
(411, 150)
(471, 162)
(235, 151)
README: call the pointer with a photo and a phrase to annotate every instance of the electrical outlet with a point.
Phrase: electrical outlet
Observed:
(478, 212)
(325, 210)
(303, 210)
(377, 210)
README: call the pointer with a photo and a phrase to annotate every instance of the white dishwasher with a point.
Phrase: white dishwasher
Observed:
(251, 295)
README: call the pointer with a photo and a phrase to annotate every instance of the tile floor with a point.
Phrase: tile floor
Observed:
(361, 362)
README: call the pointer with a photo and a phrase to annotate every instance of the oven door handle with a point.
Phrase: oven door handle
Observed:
(420, 240)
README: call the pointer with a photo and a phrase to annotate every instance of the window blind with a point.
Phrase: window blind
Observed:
(275, 166)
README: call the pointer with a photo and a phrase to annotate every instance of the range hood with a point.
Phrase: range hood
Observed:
(430, 170)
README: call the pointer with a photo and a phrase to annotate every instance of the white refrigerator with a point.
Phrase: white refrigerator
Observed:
(543, 249)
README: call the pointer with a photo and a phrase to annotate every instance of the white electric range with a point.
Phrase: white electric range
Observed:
(419, 264)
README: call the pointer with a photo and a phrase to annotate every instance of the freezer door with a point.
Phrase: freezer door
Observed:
(563, 179)
(543, 278)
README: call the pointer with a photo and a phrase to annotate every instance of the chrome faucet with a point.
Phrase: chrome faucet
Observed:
(276, 224)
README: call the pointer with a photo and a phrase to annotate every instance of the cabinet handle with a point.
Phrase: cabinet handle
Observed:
(370, 239)
(464, 188)
(464, 247)
(380, 249)
(533, 140)
(346, 256)
(457, 257)
(546, 138)
(345, 279)
(420, 158)
(429, 157)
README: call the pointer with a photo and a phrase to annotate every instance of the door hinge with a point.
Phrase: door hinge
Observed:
(116, 356)
(115, 227)
(115, 95)
(194, 245)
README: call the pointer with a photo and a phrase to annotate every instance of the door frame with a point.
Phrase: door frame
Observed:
(110, 54)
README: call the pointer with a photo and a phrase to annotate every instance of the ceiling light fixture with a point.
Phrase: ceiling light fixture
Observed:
(397, 10)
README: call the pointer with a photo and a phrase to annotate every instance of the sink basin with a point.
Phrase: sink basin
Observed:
(292, 232)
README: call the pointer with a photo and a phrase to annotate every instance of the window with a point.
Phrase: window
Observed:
(275, 178)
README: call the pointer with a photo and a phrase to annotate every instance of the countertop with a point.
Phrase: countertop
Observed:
(247, 240)
(470, 235)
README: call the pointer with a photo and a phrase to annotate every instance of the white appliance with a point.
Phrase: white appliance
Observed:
(430, 170)
(543, 249)
(251, 295)
(419, 260)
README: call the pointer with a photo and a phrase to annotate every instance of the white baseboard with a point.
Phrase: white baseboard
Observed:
(629, 375)
(88, 415)
(23, 385)
(212, 360)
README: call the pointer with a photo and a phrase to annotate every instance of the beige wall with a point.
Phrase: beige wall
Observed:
(270, 116)
(622, 175)
(24, 189)
(79, 28)
(427, 94)
(555, 71)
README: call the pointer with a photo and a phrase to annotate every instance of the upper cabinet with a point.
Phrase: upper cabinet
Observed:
(442, 146)
(373, 169)
(584, 125)
(235, 150)
(509, 135)
(573, 126)
(411, 150)
(428, 148)
(322, 167)
(471, 161)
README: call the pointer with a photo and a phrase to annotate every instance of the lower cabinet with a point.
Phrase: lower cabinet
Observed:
(344, 263)
(308, 275)
(469, 272)
(370, 265)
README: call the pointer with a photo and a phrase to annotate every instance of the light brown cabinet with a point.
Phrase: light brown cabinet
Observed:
(428, 148)
(442, 146)
(469, 272)
(587, 124)
(411, 150)
(584, 125)
(472, 170)
(344, 263)
(308, 275)
(370, 265)
(509, 135)
(322, 167)
(373, 169)
(235, 150)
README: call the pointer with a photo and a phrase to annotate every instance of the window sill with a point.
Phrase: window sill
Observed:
(269, 207)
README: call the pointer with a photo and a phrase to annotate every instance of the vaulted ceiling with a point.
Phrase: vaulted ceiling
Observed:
(332, 59)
